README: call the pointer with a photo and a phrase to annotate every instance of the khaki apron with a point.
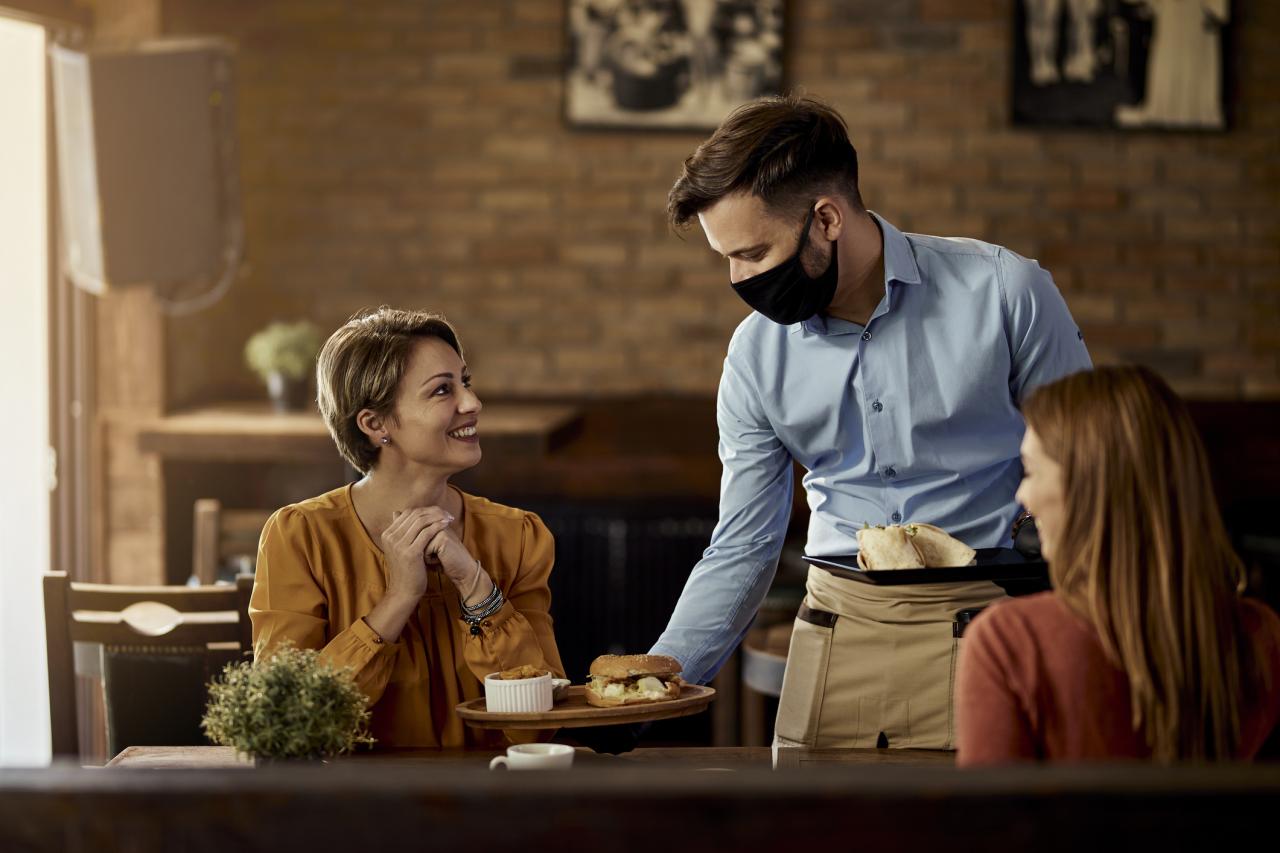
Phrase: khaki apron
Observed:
(874, 665)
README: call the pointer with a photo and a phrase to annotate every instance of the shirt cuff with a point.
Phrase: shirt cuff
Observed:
(372, 640)
(691, 673)
(494, 622)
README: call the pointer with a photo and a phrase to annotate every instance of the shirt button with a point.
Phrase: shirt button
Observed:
(890, 472)
(866, 336)
(897, 516)
(877, 406)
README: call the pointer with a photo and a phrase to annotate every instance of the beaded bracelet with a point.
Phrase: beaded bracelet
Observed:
(475, 614)
(484, 605)
(475, 617)
(491, 605)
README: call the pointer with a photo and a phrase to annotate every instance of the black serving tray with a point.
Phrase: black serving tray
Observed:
(991, 564)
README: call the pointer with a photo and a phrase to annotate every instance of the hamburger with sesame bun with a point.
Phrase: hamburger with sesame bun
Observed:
(633, 680)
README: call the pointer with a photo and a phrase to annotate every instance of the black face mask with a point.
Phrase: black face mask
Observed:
(786, 294)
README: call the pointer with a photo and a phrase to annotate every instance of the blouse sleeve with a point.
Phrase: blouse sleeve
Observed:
(991, 724)
(288, 604)
(521, 632)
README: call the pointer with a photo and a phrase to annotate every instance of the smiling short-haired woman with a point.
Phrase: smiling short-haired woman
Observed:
(419, 588)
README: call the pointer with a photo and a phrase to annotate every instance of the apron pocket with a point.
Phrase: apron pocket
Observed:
(951, 693)
(805, 679)
(883, 721)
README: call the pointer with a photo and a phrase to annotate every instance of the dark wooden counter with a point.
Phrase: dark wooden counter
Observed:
(621, 807)
(696, 758)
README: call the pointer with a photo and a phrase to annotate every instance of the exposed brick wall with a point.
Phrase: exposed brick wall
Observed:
(413, 152)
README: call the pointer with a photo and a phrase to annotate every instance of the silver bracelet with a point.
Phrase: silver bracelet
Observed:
(475, 619)
(484, 605)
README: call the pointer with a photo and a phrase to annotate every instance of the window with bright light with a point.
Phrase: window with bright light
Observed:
(24, 387)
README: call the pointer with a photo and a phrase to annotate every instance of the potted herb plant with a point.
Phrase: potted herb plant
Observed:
(289, 706)
(284, 355)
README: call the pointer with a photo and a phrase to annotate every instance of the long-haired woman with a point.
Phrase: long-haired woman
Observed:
(1145, 649)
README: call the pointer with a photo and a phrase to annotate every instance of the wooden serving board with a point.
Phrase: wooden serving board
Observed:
(574, 712)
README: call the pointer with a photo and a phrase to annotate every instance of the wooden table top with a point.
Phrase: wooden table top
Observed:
(684, 758)
(247, 430)
(365, 805)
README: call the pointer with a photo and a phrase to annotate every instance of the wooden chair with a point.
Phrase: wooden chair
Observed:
(209, 625)
(222, 535)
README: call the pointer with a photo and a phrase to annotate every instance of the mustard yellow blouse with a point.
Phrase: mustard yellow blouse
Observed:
(319, 574)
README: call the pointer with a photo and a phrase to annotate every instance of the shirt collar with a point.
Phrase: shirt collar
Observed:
(899, 261)
(899, 266)
(821, 324)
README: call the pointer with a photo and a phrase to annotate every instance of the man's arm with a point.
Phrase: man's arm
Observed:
(1044, 342)
(727, 585)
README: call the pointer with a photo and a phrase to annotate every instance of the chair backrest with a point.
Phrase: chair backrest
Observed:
(223, 534)
(196, 619)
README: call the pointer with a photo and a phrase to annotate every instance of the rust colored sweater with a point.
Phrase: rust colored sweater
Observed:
(1034, 684)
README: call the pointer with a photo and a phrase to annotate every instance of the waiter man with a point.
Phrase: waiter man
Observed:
(890, 366)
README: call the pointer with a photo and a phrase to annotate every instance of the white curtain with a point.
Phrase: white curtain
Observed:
(24, 388)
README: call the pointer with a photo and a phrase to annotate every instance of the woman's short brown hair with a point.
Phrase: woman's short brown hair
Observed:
(784, 149)
(360, 367)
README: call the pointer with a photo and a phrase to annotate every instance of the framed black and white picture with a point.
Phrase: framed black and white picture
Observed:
(1128, 64)
(674, 64)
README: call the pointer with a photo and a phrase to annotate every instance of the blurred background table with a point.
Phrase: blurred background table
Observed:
(239, 432)
(247, 455)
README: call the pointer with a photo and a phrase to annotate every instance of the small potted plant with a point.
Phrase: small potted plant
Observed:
(284, 355)
(289, 706)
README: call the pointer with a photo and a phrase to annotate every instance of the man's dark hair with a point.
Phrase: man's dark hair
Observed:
(784, 149)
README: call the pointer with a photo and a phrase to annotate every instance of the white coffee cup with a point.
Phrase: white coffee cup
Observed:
(535, 756)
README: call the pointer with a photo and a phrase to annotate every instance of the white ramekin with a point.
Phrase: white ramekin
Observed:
(517, 696)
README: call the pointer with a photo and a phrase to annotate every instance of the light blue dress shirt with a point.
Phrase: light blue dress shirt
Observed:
(913, 417)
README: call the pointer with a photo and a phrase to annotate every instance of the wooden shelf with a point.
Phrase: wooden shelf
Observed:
(253, 432)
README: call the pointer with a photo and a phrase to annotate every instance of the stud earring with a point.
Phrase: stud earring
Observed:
(386, 439)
